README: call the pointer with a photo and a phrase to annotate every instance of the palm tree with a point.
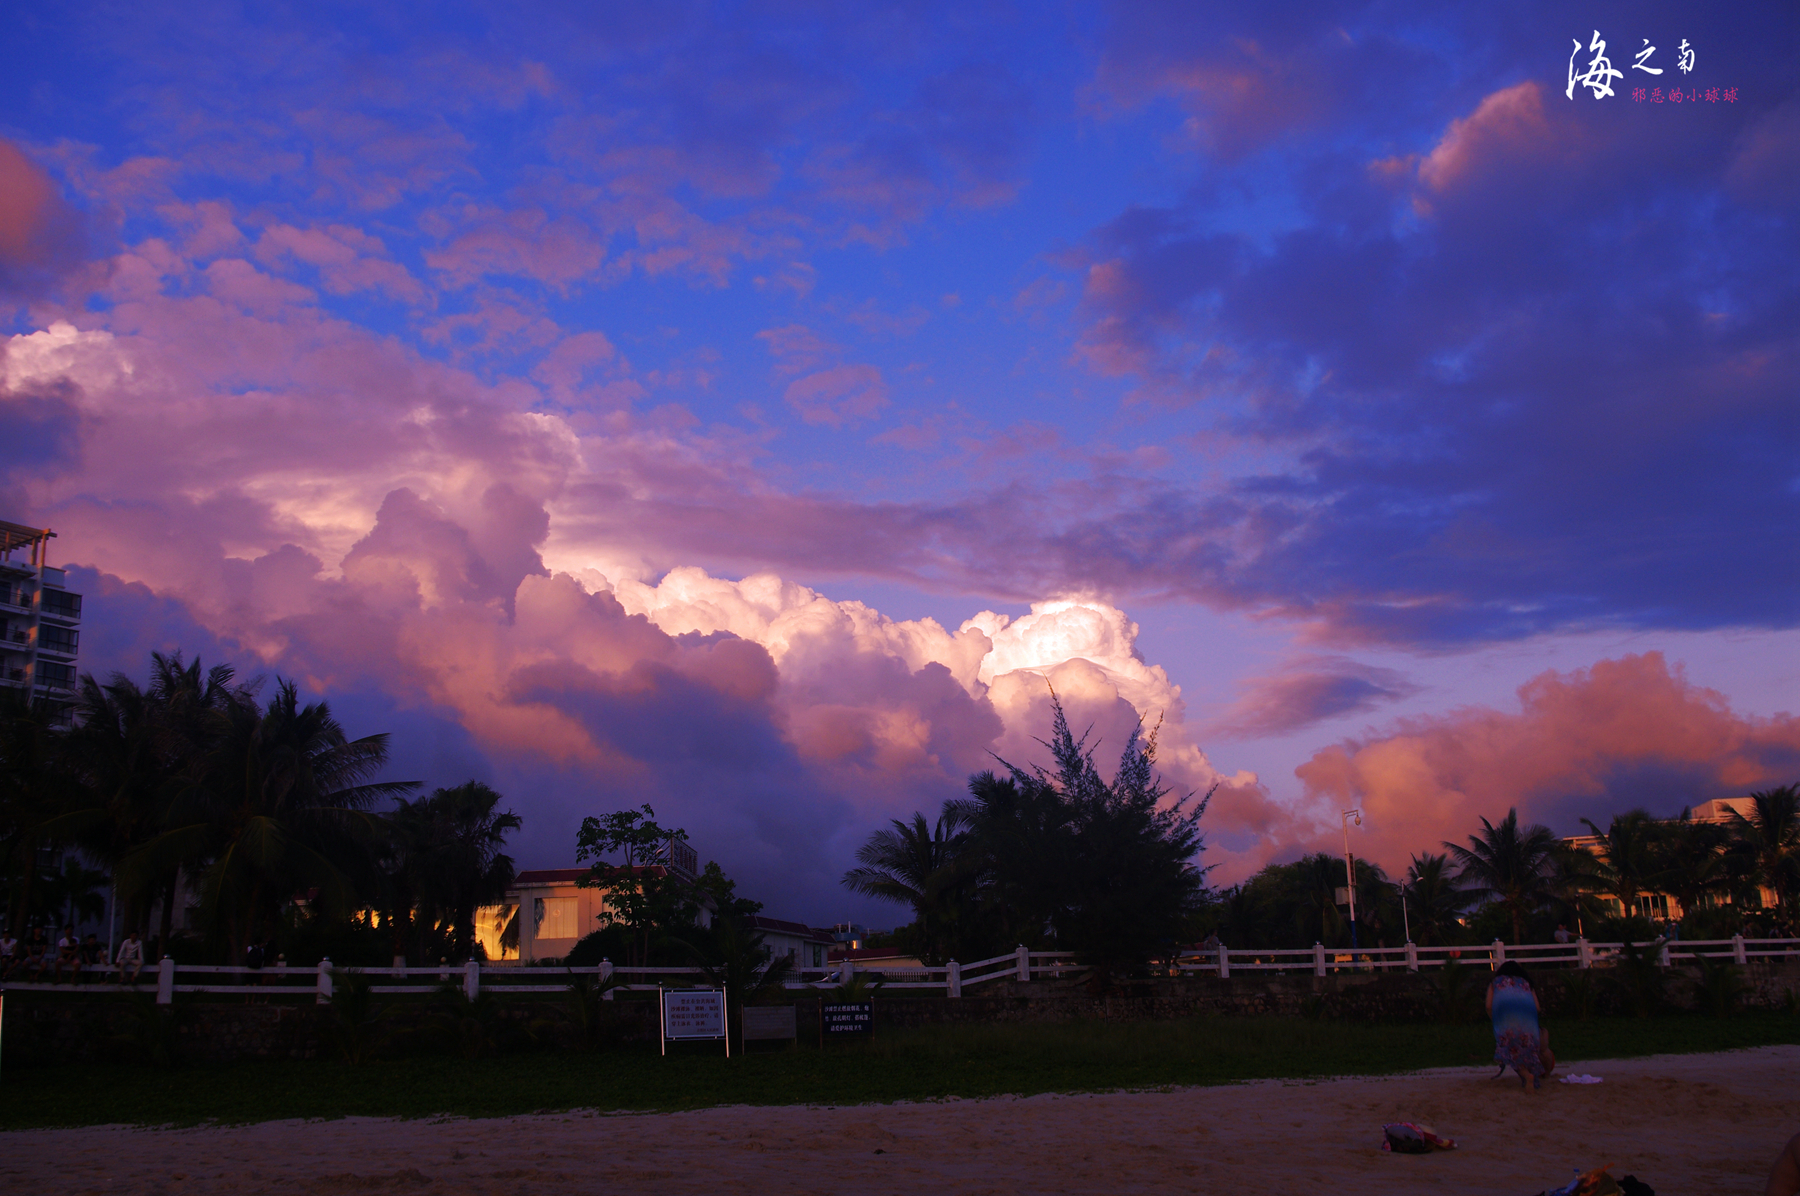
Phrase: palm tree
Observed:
(1574, 877)
(1772, 835)
(462, 865)
(1509, 865)
(915, 864)
(75, 893)
(1690, 860)
(281, 811)
(193, 707)
(116, 751)
(738, 963)
(1434, 902)
(36, 784)
(1627, 857)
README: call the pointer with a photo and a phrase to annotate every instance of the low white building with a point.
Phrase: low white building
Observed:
(805, 946)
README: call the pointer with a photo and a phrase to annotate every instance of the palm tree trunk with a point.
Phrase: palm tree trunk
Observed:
(22, 914)
(168, 911)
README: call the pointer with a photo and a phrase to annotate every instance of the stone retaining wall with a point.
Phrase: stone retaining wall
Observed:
(60, 1029)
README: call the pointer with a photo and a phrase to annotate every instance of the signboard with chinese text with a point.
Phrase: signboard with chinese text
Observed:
(849, 1017)
(693, 1013)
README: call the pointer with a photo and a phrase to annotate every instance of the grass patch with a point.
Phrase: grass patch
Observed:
(925, 1064)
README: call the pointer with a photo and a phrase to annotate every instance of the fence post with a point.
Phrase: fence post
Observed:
(1412, 956)
(1584, 952)
(605, 975)
(1224, 962)
(1497, 954)
(1737, 950)
(1318, 959)
(324, 997)
(953, 979)
(165, 981)
(1023, 955)
(1662, 955)
(847, 973)
(472, 979)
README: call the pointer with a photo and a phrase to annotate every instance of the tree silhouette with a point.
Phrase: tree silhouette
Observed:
(918, 865)
(1509, 864)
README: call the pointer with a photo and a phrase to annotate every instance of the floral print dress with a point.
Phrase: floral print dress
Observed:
(1516, 1026)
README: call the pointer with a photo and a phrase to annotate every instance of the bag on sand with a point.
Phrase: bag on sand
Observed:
(1599, 1183)
(1403, 1137)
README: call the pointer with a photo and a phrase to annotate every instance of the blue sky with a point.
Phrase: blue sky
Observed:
(1313, 379)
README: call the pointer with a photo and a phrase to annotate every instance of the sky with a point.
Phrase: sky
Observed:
(757, 410)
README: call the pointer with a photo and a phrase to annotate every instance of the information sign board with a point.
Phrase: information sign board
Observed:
(848, 1017)
(693, 1013)
(765, 1023)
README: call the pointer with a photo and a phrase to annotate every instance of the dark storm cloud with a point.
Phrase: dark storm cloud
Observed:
(1532, 370)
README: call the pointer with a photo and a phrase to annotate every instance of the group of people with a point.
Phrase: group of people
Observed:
(30, 960)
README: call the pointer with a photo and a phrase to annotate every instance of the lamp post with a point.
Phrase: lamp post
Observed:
(1350, 873)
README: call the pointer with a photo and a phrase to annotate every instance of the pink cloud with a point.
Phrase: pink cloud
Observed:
(41, 237)
(557, 251)
(1309, 690)
(1506, 131)
(1623, 733)
(845, 394)
(348, 260)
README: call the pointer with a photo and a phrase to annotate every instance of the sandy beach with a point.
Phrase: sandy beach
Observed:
(1683, 1123)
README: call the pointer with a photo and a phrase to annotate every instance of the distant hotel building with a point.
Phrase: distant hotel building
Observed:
(1657, 906)
(39, 618)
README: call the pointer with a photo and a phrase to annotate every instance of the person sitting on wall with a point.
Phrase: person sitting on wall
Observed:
(68, 955)
(9, 954)
(37, 954)
(93, 956)
(131, 958)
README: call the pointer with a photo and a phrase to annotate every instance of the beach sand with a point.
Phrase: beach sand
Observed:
(1686, 1124)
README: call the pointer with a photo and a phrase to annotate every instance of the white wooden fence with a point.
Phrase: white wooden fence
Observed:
(952, 979)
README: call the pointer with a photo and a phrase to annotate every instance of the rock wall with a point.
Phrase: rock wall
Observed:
(58, 1029)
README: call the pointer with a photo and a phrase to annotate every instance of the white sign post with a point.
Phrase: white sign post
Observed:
(692, 1014)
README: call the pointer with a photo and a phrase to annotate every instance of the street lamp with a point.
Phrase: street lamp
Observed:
(1350, 872)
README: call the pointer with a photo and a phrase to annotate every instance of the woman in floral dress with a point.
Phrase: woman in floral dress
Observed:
(1514, 1007)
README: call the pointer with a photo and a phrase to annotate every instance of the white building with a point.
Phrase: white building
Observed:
(807, 947)
(40, 618)
(1658, 906)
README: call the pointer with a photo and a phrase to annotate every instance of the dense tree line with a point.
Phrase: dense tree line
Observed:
(1053, 859)
(1521, 883)
(266, 815)
(1064, 860)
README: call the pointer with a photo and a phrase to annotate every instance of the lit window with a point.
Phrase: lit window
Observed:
(554, 917)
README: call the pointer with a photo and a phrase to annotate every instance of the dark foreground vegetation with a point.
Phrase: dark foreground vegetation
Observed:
(925, 1064)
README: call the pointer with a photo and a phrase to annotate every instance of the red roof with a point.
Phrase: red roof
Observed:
(569, 876)
(859, 954)
(782, 926)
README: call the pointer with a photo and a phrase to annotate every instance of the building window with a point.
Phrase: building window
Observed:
(554, 917)
(62, 676)
(62, 604)
(818, 956)
(57, 639)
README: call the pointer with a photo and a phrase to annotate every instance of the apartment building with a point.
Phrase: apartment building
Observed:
(1658, 906)
(40, 619)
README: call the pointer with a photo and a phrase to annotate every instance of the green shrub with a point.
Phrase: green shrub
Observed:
(1720, 986)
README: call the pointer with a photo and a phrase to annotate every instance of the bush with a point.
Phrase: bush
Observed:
(1719, 987)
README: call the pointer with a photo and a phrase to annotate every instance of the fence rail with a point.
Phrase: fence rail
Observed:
(952, 979)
